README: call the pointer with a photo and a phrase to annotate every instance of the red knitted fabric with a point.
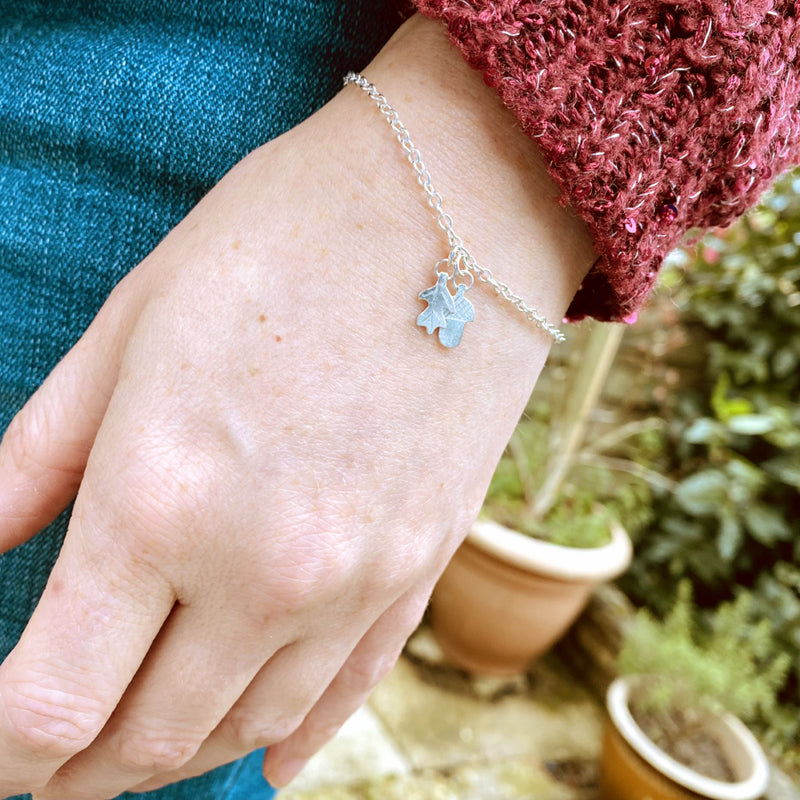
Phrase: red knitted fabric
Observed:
(653, 117)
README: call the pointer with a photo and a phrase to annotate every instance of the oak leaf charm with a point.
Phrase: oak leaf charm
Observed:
(440, 304)
(447, 313)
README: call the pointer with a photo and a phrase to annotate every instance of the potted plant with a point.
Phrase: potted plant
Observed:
(675, 730)
(521, 577)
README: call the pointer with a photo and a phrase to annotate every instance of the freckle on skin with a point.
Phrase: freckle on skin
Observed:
(278, 338)
(253, 371)
(262, 317)
(236, 245)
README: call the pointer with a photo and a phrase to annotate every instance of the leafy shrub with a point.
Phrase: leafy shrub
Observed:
(731, 667)
(733, 437)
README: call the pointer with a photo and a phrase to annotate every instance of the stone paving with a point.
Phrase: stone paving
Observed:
(430, 732)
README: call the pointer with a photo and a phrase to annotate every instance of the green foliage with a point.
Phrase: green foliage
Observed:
(588, 499)
(732, 667)
(575, 520)
(732, 443)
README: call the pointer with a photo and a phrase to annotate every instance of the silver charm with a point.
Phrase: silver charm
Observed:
(447, 313)
(440, 304)
(441, 315)
(450, 333)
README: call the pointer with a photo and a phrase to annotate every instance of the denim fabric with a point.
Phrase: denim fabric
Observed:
(115, 118)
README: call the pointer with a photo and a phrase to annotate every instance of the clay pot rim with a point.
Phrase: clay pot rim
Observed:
(750, 788)
(583, 564)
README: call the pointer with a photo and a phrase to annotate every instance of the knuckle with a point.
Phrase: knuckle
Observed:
(154, 752)
(403, 565)
(50, 723)
(312, 573)
(160, 486)
(381, 579)
(362, 673)
(247, 730)
(149, 485)
(409, 615)
(36, 441)
(317, 732)
(25, 436)
(18, 440)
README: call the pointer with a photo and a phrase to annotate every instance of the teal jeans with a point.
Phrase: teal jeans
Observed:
(116, 116)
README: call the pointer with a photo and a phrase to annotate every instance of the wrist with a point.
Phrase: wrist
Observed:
(494, 186)
(492, 177)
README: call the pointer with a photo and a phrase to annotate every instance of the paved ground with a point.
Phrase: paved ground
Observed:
(432, 733)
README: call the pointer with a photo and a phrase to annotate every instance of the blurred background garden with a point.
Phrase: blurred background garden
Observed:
(694, 445)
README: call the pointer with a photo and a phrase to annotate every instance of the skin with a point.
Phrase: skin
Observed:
(272, 463)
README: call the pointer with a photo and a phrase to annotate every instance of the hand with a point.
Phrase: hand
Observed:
(272, 462)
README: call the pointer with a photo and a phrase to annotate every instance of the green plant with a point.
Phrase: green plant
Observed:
(590, 495)
(733, 442)
(555, 482)
(732, 439)
(681, 671)
(730, 666)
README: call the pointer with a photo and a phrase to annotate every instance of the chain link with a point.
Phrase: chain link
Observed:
(460, 258)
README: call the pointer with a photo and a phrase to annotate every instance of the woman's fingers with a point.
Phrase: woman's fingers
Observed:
(201, 662)
(371, 660)
(96, 620)
(44, 451)
(269, 711)
(293, 740)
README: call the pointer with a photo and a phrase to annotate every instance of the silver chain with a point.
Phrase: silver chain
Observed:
(462, 260)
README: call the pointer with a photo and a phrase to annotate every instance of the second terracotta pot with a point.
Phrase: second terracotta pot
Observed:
(505, 598)
(633, 767)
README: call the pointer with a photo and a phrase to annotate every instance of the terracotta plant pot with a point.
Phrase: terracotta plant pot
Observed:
(505, 598)
(633, 767)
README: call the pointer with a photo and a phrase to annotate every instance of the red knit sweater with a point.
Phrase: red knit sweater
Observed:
(652, 117)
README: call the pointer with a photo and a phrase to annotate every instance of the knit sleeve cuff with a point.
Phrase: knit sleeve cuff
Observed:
(652, 118)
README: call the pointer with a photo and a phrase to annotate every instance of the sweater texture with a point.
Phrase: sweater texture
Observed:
(652, 117)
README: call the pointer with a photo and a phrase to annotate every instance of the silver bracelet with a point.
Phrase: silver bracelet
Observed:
(445, 311)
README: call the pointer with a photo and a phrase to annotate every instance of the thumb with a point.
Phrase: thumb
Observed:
(43, 452)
